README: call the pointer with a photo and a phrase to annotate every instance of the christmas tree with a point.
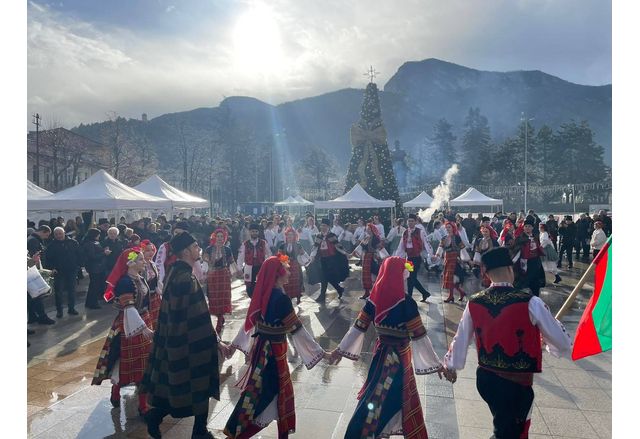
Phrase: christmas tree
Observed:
(370, 163)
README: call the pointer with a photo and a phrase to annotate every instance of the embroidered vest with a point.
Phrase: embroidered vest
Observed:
(249, 258)
(416, 241)
(331, 247)
(505, 338)
(170, 259)
(531, 249)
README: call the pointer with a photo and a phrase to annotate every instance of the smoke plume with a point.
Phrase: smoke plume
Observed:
(441, 194)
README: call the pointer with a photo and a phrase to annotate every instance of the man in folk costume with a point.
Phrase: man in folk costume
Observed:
(297, 258)
(267, 390)
(253, 252)
(219, 257)
(388, 401)
(507, 325)
(332, 259)
(166, 256)
(414, 246)
(529, 270)
(124, 355)
(484, 243)
(182, 370)
(150, 275)
(370, 259)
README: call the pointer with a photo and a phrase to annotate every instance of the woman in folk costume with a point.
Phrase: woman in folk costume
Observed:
(267, 393)
(124, 355)
(483, 244)
(370, 260)
(297, 258)
(550, 258)
(388, 401)
(528, 269)
(309, 231)
(220, 260)
(506, 236)
(150, 275)
(452, 247)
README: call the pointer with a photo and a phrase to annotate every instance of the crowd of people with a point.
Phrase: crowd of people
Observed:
(167, 289)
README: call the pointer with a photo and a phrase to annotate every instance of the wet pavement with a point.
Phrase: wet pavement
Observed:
(572, 399)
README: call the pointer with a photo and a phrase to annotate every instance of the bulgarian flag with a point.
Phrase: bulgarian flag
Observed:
(593, 334)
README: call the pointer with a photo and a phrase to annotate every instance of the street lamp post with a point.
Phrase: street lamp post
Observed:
(36, 122)
(526, 151)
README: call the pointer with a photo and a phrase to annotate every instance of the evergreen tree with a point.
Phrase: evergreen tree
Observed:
(370, 163)
(546, 166)
(475, 148)
(580, 159)
(444, 151)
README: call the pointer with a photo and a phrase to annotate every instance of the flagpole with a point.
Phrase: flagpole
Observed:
(572, 297)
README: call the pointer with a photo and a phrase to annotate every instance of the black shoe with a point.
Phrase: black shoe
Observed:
(73, 312)
(45, 320)
(59, 314)
(321, 298)
(153, 426)
(93, 306)
(207, 435)
(425, 296)
(340, 292)
(570, 267)
(364, 297)
(558, 279)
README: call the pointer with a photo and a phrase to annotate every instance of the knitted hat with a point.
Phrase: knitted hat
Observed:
(181, 241)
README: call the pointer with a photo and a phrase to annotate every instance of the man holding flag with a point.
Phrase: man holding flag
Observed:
(508, 325)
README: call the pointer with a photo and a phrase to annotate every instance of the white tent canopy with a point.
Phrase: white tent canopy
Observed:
(157, 187)
(34, 194)
(290, 201)
(101, 192)
(423, 201)
(473, 197)
(302, 201)
(356, 198)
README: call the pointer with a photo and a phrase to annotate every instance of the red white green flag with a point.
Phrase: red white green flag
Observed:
(593, 334)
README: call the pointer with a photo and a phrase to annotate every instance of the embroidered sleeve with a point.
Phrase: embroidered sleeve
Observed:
(456, 357)
(132, 322)
(364, 317)
(425, 359)
(351, 344)
(308, 348)
(554, 334)
(243, 340)
(292, 322)
(416, 328)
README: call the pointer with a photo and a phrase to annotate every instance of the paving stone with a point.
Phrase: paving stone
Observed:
(465, 388)
(474, 432)
(473, 414)
(553, 397)
(569, 423)
(601, 423)
(590, 399)
(575, 378)
(312, 423)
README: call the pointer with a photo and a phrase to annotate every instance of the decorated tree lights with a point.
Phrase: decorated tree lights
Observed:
(371, 164)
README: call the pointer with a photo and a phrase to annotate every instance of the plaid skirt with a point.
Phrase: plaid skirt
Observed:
(448, 273)
(367, 281)
(219, 291)
(295, 286)
(132, 352)
(155, 300)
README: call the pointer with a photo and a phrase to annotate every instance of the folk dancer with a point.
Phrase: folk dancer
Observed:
(267, 390)
(166, 257)
(219, 258)
(481, 245)
(388, 401)
(297, 259)
(415, 245)
(395, 236)
(370, 260)
(151, 276)
(332, 259)
(452, 247)
(123, 357)
(550, 257)
(253, 252)
(529, 271)
(507, 325)
(182, 369)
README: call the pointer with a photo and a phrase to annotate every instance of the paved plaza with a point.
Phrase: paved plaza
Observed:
(572, 399)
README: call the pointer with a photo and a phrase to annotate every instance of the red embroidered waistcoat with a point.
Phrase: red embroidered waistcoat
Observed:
(170, 259)
(505, 338)
(527, 252)
(249, 259)
(331, 247)
(416, 241)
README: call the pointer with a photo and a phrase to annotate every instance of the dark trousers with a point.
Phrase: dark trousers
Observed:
(509, 403)
(65, 283)
(413, 281)
(156, 415)
(96, 288)
(566, 248)
(324, 284)
(35, 308)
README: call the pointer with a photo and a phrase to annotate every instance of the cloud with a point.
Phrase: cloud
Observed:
(79, 69)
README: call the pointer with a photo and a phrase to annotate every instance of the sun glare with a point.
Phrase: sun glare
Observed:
(257, 42)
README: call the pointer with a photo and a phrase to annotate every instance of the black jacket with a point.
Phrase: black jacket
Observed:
(582, 229)
(35, 244)
(63, 256)
(567, 234)
(94, 257)
(116, 248)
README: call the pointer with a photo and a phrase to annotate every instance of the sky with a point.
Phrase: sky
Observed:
(87, 58)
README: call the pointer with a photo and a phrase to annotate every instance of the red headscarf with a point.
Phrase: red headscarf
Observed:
(119, 270)
(492, 232)
(146, 244)
(291, 230)
(388, 291)
(225, 233)
(270, 270)
(453, 225)
(374, 230)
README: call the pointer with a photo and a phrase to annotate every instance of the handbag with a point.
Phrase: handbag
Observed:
(37, 285)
